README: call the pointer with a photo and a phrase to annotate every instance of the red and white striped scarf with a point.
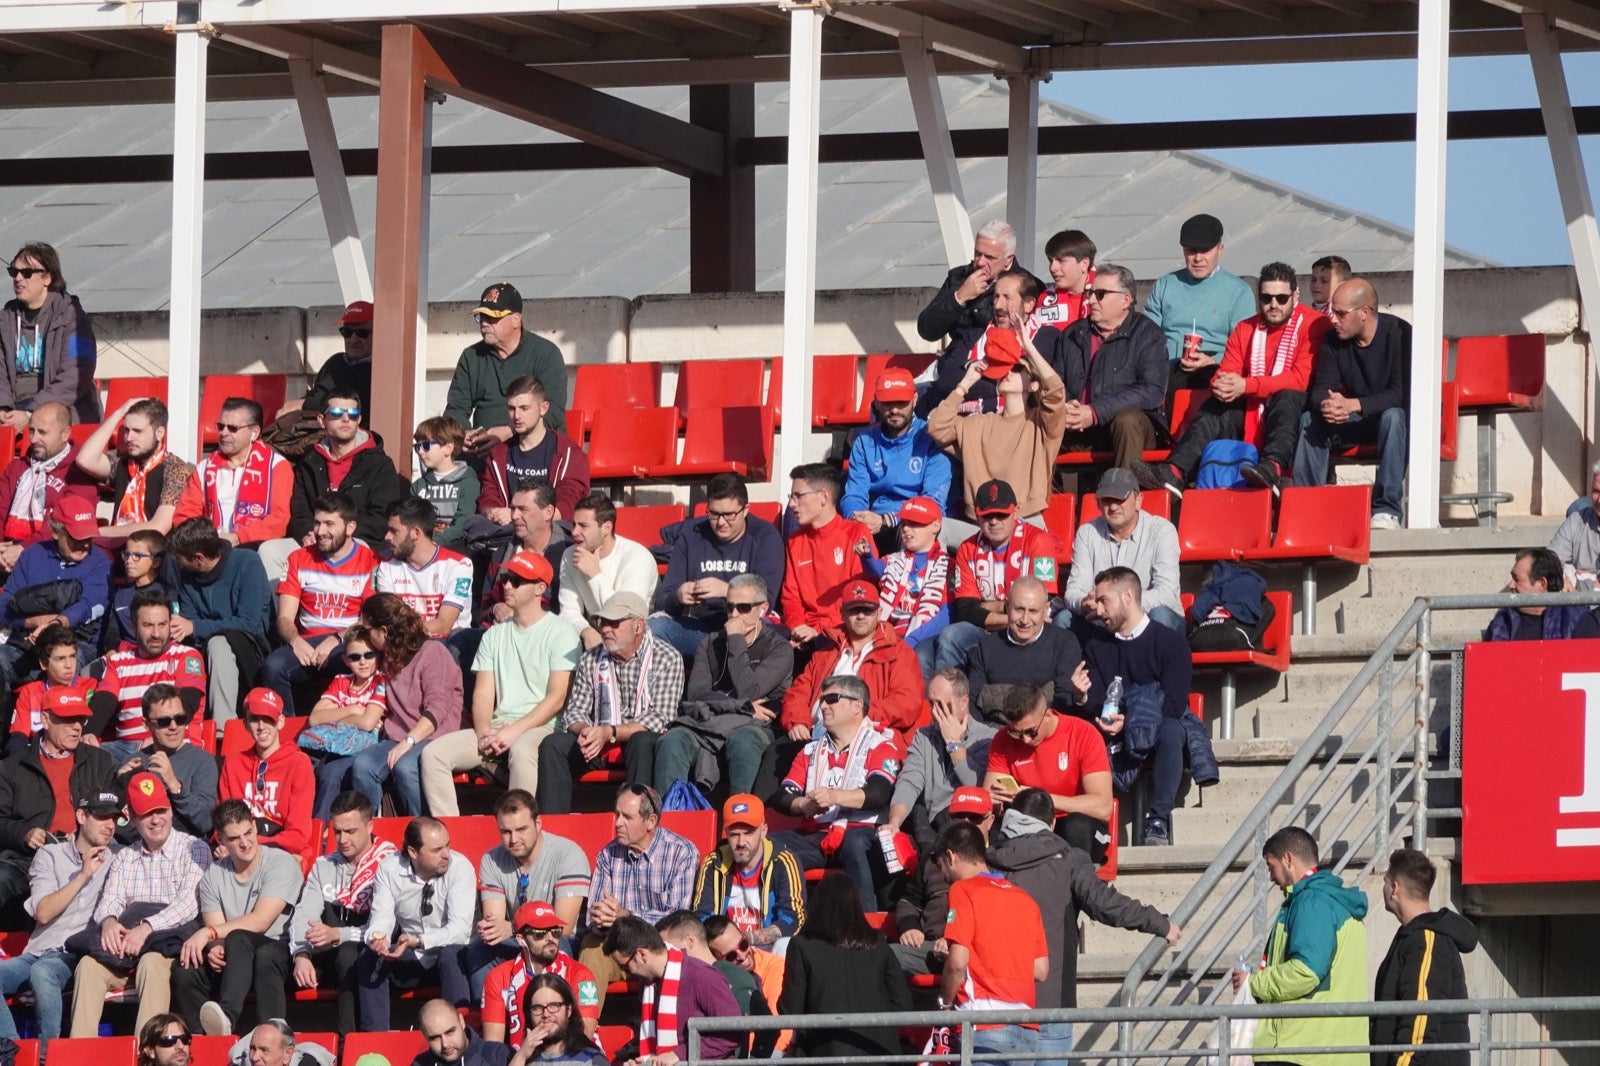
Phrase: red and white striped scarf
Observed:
(131, 507)
(1282, 361)
(357, 895)
(658, 1013)
(255, 487)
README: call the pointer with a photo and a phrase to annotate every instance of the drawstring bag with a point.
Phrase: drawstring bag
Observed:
(685, 796)
(1220, 463)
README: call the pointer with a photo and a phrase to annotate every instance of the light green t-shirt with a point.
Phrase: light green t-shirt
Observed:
(522, 659)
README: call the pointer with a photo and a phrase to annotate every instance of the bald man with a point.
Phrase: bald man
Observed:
(31, 483)
(1358, 395)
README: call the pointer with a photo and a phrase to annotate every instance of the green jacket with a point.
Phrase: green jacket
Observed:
(478, 389)
(1317, 953)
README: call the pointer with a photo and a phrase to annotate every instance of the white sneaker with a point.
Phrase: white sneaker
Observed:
(214, 1020)
(1385, 520)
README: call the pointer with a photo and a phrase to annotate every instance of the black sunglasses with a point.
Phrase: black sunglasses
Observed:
(1101, 294)
(359, 656)
(26, 273)
(427, 899)
(176, 1038)
(834, 697)
(347, 332)
(743, 608)
(170, 720)
(742, 947)
(1276, 297)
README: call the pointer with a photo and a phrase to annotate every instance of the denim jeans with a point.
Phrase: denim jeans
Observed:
(684, 634)
(366, 773)
(46, 975)
(282, 671)
(1388, 430)
(860, 856)
(1002, 1043)
(955, 643)
(1055, 1037)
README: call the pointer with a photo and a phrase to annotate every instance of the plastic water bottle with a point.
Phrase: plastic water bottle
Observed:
(1113, 703)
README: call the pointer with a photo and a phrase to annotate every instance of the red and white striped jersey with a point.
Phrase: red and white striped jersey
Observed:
(126, 674)
(330, 591)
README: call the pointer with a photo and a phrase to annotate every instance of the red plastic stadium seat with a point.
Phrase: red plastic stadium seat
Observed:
(1223, 523)
(593, 831)
(1318, 523)
(27, 1053)
(1107, 871)
(767, 510)
(612, 1038)
(913, 363)
(1274, 653)
(833, 393)
(1156, 503)
(1506, 373)
(236, 736)
(398, 1048)
(121, 390)
(1058, 519)
(213, 1050)
(633, 443)
(643, 524)
(727, 440)
(704, 383)
(268, 390)
(603, 385)
(1185, 405)
(100, 1050)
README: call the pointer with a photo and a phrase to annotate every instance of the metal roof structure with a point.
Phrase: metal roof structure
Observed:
(625, 231)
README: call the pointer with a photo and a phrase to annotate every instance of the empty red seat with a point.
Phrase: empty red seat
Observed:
(643, 524)
(100, 1050)
(1506, 373)
(1223, 523)
(1058, 519)
(707, 383)
(268, 390)
(633, 443)
(603, 385)
(1320, 522)
(833, 392)
(727, 440)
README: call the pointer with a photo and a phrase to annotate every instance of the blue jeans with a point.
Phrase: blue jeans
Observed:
(955, 644)
(927, 658)
(1002, 1043)
(860, 856)
(1318, 439)
(366, 773)
(684, 634)
(282, 671)
(46, 975)
(1054, 1037)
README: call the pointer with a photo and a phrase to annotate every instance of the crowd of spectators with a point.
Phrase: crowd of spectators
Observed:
(893, 688)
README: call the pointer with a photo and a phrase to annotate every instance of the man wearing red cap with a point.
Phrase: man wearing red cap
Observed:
(149, 894)
(923, 909)
(349, 369)
(823, 552)
(31, 484)
(29, 601)
(538, 929)
(861, 647)
(893, 460)
(749, 878)
(1018, 443)
(522, 672)
(914, 581)
(42, 784)
(275, 779)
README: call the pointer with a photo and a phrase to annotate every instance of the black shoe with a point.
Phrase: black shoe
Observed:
(1263, 475)
(1155, 833)
(1153, 476)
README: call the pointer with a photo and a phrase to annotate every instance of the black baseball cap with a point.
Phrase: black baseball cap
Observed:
(101, 804)
(994, 497)
(499, 300)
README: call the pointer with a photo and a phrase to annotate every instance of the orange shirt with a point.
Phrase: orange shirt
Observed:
(1000, 965)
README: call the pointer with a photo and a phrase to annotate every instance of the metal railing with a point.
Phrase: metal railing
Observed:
(1372, 783)
(1492, 1040)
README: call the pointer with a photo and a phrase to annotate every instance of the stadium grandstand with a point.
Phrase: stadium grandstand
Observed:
(785, 564)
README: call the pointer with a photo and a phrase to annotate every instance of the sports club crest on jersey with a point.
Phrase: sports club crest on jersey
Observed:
(1044, 568)
(1061, 761)
(838, 557)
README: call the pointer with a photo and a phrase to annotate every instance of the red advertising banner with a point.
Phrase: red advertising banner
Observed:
(1530, 757)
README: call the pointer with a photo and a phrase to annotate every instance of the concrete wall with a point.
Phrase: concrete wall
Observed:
(1543, 457)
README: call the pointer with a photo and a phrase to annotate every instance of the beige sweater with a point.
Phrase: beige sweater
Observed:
(1019, 451)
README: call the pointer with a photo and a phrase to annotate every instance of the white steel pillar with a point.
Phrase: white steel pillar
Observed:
(1022, 164)
(333, 190)
(188, 214)
(421, 407)
(1427, 269)
(1572, 181)
(800, 237)
(933, 127)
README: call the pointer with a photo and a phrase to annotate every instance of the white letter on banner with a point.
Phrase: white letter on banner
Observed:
(1589, 801)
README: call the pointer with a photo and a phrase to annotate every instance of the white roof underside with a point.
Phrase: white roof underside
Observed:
(626, 231)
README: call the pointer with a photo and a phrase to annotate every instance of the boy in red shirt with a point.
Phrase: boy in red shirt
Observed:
(993, 964)
(57, 650)
(274, 778)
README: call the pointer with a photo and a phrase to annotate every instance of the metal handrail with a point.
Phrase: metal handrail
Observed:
(1386, 756)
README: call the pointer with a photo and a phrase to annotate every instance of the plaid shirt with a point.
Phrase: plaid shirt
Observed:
(664, 686)
(651, 883)
(171, 875)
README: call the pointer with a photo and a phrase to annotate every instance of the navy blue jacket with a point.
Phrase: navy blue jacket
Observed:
(1129, 372)
(695, 552)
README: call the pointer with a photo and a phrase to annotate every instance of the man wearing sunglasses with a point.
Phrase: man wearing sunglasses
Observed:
(538, 933)
(164, 1040)
(1257, 394)
(349, 369)
(248, 487)
(349, 460)
(188, 770)
(704, 555)
(505, 352)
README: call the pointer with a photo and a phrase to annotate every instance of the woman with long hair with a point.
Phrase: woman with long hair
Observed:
(47, 347)
(552, 1027)
(839, 964)
(423, 695)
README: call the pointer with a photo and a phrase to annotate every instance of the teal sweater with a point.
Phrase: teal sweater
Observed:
(1211, 308)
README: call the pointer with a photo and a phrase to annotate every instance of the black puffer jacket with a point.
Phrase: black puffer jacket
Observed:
(1427, 951)
(26, 799)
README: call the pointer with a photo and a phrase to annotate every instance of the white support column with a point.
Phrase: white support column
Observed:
(1022, 164)
(1427, 270)
(333, 190)
(933, 127)
(188, 213)
(800, 237)
(422, 408)
(1572, 181)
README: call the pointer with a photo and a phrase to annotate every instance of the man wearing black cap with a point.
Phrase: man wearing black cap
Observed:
(486, 370)
(1201, 300)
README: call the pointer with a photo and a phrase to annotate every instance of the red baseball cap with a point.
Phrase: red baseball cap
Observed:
(537, 914)
(529, 566)
(66, 703)
(76, 515)
(743, 809)
(969, 799)
(357, 314)
(858, 593)
(146, 793)
(1002, 351)
(921, 511)
(263, 703)
(895, 386)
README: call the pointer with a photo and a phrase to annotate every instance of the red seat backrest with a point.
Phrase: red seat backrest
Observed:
(120, 390)
(472, 835)
(1214, 522)
(1156, 502)
(1185, 405)
(914, 362)
(1499, 371)
(601, 385)
(719, 383)
(27, 1053)
(635, 442)
(1058, 515)
(643, 523)
(100, 1050)
(236, 736)
(714, 436)
(612, 1038)
(398, 1048)
(767, 510)
(268, 390)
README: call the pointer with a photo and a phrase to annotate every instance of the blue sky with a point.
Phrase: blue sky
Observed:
(1502, 200)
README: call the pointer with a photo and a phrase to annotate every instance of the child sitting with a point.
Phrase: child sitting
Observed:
(913, 581)
(446, 482)
(354, 701)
